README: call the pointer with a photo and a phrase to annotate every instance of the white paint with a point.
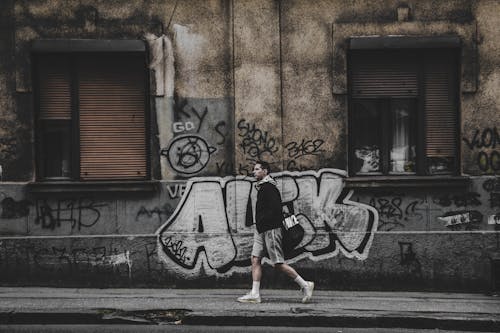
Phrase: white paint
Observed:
(180, 127)
(208, 231)
(162, 63)
(463, 218)
(494, 219)
(117, 259)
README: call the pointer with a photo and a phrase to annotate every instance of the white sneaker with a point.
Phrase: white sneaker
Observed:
(249, 298)
(307, 291)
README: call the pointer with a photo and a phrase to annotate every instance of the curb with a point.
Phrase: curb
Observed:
(460, 324)
(450, 322)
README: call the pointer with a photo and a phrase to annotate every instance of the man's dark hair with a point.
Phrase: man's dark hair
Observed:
(264, 165)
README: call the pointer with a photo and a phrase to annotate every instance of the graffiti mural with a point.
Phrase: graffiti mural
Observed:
(211, 230)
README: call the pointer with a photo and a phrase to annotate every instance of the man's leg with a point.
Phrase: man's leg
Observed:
(274, 246)
(307, 287)
(258, 251)
(256, 275)
(256, 268)
(287, 269)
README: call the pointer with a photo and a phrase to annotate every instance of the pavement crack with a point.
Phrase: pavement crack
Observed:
(153, 316)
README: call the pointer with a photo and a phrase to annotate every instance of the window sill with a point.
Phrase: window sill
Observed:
(407, 181)
(83, 187)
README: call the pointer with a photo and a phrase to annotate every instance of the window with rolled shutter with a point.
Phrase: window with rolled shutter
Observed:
(403, 112)
(55, 117)
(98, 102)
(111, 107)
(440, 91)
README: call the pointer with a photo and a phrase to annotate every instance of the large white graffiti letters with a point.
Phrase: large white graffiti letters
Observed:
(211, 232)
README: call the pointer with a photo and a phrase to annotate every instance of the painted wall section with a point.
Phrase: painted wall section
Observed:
(211, 229)
(179, 237)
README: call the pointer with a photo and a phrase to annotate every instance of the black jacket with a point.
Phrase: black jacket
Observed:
(268, 214)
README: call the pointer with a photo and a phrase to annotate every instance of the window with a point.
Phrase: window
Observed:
(403, 112)
(91, 119)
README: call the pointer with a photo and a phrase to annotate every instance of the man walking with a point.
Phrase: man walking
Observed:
(268, 235)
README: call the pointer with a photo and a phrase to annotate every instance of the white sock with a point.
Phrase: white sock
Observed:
(300, 281)
(255, 287)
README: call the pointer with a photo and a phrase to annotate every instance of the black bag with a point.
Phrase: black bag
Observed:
(292, 235)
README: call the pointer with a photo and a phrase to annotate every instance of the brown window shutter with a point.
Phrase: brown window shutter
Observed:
(112, 117)
(54, 88)
(440, 106)
(378, 75)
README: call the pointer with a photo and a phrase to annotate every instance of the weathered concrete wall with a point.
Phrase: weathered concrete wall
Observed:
(15, 109)
(236, 81)
(202, 230)
(480, 110)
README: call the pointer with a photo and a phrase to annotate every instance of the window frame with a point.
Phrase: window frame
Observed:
(422, 168)
(72, 50)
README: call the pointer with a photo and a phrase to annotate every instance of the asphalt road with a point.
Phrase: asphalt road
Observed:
(202, 329)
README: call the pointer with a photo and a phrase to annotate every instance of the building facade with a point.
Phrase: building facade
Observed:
(129, 129)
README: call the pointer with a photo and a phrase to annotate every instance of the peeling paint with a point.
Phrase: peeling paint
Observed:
(162, 64)
(117, 259)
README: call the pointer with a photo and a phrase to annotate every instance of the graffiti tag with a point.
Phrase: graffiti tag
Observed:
(188, 154)
(79, 212)
(256, 143)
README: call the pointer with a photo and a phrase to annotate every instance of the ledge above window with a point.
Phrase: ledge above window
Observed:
(403, 42)
(84, 187)
(87, 45)
(408, 182)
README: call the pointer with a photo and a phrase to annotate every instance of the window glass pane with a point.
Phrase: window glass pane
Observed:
(366, 137)
(403, 149)
(56, 149)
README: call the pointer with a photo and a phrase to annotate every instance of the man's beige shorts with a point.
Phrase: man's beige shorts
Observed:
(269, 243)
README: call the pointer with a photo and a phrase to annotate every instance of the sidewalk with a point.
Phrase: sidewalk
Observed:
(33, 305)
